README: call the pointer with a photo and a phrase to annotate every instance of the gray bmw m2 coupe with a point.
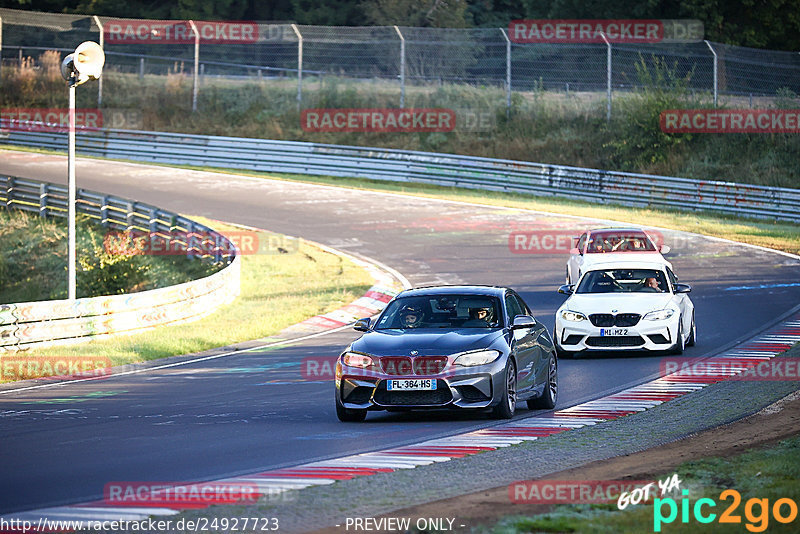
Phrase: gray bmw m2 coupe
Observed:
(461, 347)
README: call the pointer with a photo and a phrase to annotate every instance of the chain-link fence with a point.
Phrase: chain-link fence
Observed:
(401, 63)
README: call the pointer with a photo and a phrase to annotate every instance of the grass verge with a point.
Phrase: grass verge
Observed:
(277, 290)
(769, 474)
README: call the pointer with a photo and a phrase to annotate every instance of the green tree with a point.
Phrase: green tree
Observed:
(418, 13)
(327, 12)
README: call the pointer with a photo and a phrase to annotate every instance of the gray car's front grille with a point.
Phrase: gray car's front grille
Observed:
(421, 365)
(608, 319)
(440, 395)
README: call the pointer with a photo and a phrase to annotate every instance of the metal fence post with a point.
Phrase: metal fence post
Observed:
(402, 67)
(141, 68)
(608, 77)
(299, 65)
(1, 51)
(714, 52)
(99, 80)
(196, 64)
(104, 211)
(10, 190)
(130, 216)
(43, 199)
(508, 72)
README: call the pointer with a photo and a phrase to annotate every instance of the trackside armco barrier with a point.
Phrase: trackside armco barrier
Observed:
(52, 322)
(640, 190)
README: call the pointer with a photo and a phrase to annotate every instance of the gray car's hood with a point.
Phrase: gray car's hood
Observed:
(427, 341)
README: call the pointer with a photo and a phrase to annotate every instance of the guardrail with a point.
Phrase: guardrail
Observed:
(629, 189)
(51, 322)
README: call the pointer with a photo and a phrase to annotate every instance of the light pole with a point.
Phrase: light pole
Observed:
(85, 64)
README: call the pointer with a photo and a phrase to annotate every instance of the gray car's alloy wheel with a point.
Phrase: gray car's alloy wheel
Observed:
(349, 415)
(505, 410)
(547, 401)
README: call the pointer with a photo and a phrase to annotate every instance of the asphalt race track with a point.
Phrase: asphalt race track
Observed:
(253, 411)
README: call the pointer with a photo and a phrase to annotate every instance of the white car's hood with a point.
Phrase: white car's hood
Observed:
(623, 257)
(640, 303)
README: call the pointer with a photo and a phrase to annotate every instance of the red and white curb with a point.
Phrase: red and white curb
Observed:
(626, 402)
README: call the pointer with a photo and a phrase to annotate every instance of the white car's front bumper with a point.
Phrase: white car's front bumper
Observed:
(575, 336)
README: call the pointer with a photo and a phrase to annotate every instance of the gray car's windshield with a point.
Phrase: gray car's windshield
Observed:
(442, 311)
(623, 281)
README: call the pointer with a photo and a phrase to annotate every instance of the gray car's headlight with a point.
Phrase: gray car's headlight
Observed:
(569, 315)
(480, 357)
(659, 315)
(354, 359)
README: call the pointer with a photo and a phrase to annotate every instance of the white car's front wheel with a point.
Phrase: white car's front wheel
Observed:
(680, 343)
(692, 334)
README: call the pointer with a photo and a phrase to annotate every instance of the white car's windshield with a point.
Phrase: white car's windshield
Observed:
(442, 311)
(601, 242)
(623, 281)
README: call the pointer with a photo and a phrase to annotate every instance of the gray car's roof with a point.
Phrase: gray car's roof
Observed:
(452, 290)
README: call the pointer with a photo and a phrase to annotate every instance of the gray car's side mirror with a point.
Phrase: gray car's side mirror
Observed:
(663, 249)
(566, 289)
(682, 288)
(362, 325)
(523, 321)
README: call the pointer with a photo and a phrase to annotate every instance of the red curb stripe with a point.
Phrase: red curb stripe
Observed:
(448, 448)
(324, 322)
(382, 297)
(524, 431)
(429, 453)
(359, 311)
(312, 472)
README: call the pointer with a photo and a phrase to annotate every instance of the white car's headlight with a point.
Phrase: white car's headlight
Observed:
(480, 357)
(354, 359)
(569, 315)
(659, 315)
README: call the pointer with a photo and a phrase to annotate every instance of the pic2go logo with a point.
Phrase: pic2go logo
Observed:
(756, 511)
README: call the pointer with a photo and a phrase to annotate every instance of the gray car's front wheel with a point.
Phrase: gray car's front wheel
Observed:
(547, 401)
(508, 403)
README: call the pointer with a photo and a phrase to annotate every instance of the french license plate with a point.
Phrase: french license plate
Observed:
(411, 384)
(613, 332)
